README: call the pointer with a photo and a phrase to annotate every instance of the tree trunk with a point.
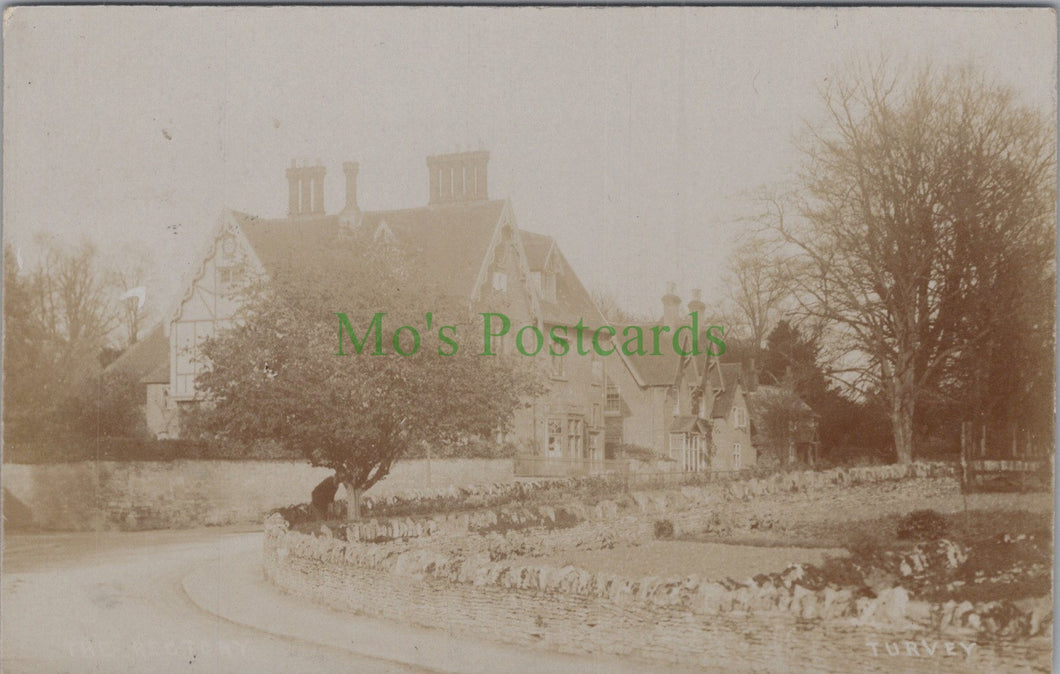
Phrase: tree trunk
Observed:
(902, 407)
(353, 502)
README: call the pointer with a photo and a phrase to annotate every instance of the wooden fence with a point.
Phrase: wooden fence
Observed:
(994, 457)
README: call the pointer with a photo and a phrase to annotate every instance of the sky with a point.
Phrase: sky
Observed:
(634, 136)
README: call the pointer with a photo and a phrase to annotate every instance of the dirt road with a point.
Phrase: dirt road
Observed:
(196, 601)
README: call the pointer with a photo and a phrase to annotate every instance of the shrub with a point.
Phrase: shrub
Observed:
(81, 448)
(922, 525)
(664, 529)
(627, 451)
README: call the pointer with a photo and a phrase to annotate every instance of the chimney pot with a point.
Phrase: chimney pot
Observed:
(671, 302)
(458, 177)
(351, 169)
(696, 305)
(293, 194)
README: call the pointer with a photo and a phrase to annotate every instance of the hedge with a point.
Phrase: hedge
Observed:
(75, 448)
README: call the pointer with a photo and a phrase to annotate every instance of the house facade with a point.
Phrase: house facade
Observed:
(469, 244)
(690, 409)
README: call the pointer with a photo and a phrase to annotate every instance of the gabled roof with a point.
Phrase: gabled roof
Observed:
(689, 424)
(661, 369)
(537, 247)
(144, 357)
(287, 241)
(724, 379)
(449, 241)
(573, 302)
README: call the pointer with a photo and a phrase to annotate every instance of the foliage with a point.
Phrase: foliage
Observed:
(777, 413)
(629, 451)
(664, 529)
(793, 359)
(27, 372)
(921, 525)
(70, 448)
(109, 405)
(276, 374)
(923, 228)
(58, 316)
(464, 448)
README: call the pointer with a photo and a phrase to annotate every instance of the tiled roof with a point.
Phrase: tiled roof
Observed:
(730, 378)
(536, 247)
(573, 301)
(661, 369)
(689, 424)
(448, 241)
(144, 357)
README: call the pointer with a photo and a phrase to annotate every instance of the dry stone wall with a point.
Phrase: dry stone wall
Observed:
(438, 571)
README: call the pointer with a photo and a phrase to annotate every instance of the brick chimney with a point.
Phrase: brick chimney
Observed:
(351, 168)
(695, 305)
(458, 178)
(671, 305)
(305, 189)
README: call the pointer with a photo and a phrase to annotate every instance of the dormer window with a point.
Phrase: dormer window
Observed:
(500, 281)
(230, 278)
(548, 286)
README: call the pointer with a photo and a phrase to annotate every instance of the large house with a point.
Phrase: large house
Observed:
(688, 408)
(469, 244)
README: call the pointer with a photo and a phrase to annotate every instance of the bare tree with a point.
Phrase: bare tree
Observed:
(608, 305)
(755, 290)
(129, 280)
(913, 198)
(74, 305)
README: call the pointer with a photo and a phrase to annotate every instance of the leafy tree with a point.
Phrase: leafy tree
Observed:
(109, 405)
(917, 200)
(277, 375)
(26, 366)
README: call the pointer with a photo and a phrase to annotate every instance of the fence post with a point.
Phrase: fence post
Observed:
(965, 432)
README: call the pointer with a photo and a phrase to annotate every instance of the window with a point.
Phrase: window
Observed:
(548, 286)
(229, 277)
(739, 417)
(677, 445)
(597, 416)
(736, 456)
(575, 437)
(500, 281)
(500, 255)
(559, 366)
(703, 406)
(598, 371)
(555, 437)
(614, 400)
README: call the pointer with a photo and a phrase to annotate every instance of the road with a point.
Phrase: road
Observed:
(114, 602)
(154, 601)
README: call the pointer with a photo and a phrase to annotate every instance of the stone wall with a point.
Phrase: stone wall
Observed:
(454, 573)
(92, 495)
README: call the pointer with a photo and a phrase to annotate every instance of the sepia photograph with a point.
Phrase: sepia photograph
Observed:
(528, 339)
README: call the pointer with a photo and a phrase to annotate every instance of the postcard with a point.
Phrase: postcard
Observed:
(528, 339)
